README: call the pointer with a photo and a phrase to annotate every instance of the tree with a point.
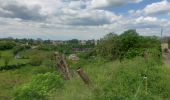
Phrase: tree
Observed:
(37, 59)
(73, 41)
(6, 60)
(4, 45)
(0, 55)
(127, 45)
(107, 46)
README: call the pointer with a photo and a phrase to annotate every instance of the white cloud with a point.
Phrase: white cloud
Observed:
(161, 8)
(157, 8)
(146, 19)
(65, 19)
(109, 3)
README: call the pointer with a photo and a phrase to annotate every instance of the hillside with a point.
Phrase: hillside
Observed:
(119, 67)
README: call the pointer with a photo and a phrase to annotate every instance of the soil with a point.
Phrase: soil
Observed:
(167, 59)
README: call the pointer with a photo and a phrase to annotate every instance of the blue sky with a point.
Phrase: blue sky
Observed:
(132, 6)
(82, 19)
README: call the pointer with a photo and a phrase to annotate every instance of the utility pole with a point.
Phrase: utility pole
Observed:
(161, 35)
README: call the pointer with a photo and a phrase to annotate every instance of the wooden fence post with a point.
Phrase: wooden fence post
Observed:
(83, 76)
(62, 66)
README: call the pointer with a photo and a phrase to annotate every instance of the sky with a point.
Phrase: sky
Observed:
(82, 19)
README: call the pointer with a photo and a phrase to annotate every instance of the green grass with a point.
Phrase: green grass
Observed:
(119, 81)
(12, 60)
(10, 80)
(110, 80)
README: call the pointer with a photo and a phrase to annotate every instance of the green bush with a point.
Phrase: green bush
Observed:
(37, 59)
(40, 88)
(7, 60)
(5, 45)
(47, 47)
(127, 45)
(17, 49)
(0, 55)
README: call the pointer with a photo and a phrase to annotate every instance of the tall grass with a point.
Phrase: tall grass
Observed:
(120, 81)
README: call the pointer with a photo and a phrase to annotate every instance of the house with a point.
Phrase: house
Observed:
(73, 57)
(83, 42)
(57, 42)
(165, 46)
(34, 47)
(96, 42)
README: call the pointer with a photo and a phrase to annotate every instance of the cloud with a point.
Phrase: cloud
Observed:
(158, 8)
(88, 18)
(16, 10)
(110, 3)
(154, 9)
(66, 19)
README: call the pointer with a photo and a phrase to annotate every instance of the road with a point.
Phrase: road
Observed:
(167, 59)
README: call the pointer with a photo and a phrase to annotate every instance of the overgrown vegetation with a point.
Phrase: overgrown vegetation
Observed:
(127, 45)
(116, 67)
(6, 45)
(18, 49)
(40, 88)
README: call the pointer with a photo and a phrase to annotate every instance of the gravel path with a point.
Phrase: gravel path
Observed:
(167, 59)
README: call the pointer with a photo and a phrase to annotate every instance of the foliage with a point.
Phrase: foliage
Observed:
(50, 63)
(40, 88)
(37, 59)
(6, 60)
(0, 55)
(47, 47)
(5, 45)
(73, 41)
(128, 78)
(18, 48)
(127, 45)
(69, 48)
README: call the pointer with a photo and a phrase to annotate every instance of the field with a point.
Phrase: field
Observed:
(8, 54)
(10, 79)
(106, 78)
(115, 72)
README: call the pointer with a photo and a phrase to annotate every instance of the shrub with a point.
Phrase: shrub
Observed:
(7, 60)
(5, 45)
(47, 47)
(0, 55)
(17, 49)
(131, 53)
(37, 59)
(127, 45)
(40, 88)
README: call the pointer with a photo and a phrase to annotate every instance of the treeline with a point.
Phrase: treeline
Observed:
(127, 45)
(5, 45)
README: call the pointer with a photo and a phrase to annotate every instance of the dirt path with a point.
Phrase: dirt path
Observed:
(167, 59)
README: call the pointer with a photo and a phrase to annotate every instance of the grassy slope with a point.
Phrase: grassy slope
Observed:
(12, 60)
(9, 80)
(117, 80)
(107, 80)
